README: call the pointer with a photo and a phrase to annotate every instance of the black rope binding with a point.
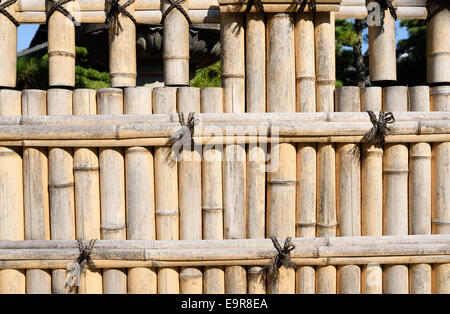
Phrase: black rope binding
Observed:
(441, 5)
(376, 135)
(112, 17)
(283, 258)
(3, 11)
(78, 266)
(182, 137)
(253, 3)
(387, 4)
(303, 3)
(176, 4)
(57, 5)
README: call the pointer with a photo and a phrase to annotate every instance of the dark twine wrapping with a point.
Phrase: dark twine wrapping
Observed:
(3, 11)
(57, 5)
(303, 3)
(441, 5)
(385, 5)
(253, 3)
(182, 137)
(112, 17)
(78, 266)
(176, 4)
(283, 258)
(376, 135)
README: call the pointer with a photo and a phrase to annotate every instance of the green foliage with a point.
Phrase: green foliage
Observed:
(207, 77)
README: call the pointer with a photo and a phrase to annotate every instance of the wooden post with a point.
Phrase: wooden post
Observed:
(61, 186)
(140, 195)
(281, 182)
(372, 194)
(438, 45)
(382, 57)
(211, 100)
(122, 50)
(11, 195)
(395, 191)
(256, 102)
(87, 191)
(306, 152)
(176, 46)
(348, 191)
(166, 192)
(35, 185)
(440, 202)
(61, 48)
(190, 193)
(112, 191)
(8, 57)
(233, 61)
(326, 176)
(305, 63)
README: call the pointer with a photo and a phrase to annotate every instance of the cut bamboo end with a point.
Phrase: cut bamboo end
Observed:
(349, 279)
(371, 99)
(440, 98)
(372, 283)
(420, 279)
(438, 46)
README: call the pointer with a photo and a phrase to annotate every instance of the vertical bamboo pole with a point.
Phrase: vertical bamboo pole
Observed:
(166, 192)
(61, 48)
(61, 185)
(256, 102)
(35, 184)
(305, 63)
(440, 206)
(190, 193)
(326, 169)
(8, 57)
(281, 182)
(112, 191)
(348, 191)
(11, 195)
(140, 195)
(420, 192)
(233, 61)
(382, 57)
(122, 50)
(211, 100)
(176, 46)
(372, 194)
(87, 191)
(438, 45)
(306, 152)
(395, 191)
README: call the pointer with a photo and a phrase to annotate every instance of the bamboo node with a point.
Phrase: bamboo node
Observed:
(176, 4)
(57, 5)
(181, 137)
(76, 267)
(112, 17)
(283, 258)
(3, 11)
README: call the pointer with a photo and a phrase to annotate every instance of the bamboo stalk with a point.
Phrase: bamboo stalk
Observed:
(122, 50)
(440, 99)
(395, 191)
(61, 48)
(382, 61)
(420, 192)
(348, 191)
(87, 191)
(372, 194)
(232, 39)
(211, 100)
(8, 58)
(112, 190)
(438, 46)
(190, 192)
(166, 192)
(35, 185)
(61, 186)
(11, 196)
(176, 46)
(140, 198)
(277, 8)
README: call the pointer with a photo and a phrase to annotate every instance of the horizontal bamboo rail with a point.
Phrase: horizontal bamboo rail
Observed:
(309, 251)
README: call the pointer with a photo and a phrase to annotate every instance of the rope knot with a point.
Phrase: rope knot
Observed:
(176, 4)
(76, 267)
(385, 5)
(376, 135)
(253, 3)
(112, 17)
(312, 4)
(283, 258)
(57, 5)
(3, 11)
(182, 137)
(441, 5)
